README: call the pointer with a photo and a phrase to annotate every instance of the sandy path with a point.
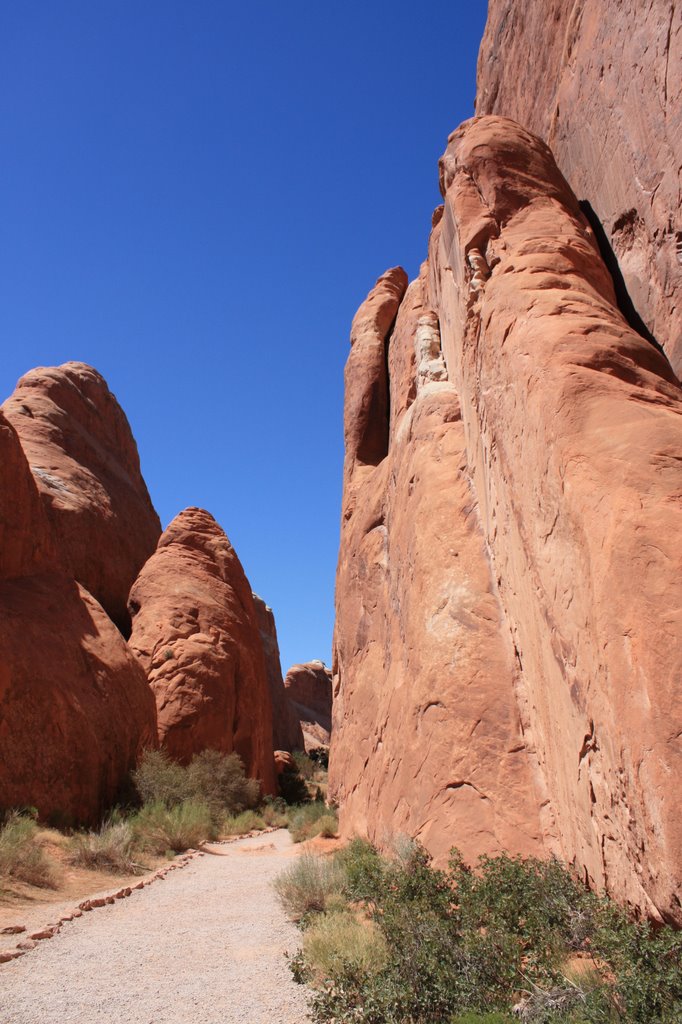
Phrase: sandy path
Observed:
(203, 946)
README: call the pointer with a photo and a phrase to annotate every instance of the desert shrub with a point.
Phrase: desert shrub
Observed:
(646, 966)
(110, 848)
(247, 821)
(218, 780)
(304, 764)
(309, 819)
(327, 825)
(463, 946)
(159, 780)
(308, 885)
(158, 828)
(22, 858)
(274, 816)
(340, 940)
(292, 787)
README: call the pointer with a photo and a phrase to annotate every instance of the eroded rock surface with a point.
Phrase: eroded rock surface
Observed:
(601, 82)
(308, 688)
(85, 463)
(573, 429)
(195, 632)
(427, 737)
(75, 707)
(509, 614)
(286, 727)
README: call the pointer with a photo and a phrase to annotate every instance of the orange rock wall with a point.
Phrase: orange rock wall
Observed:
(507, 648)
(427, 736)
(85, 464)
(601, 82)
(195, 632)
(75, 707)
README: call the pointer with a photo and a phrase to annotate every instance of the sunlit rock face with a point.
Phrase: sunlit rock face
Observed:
(75, 707)
(195, 633)
(308, 688)
(601, 82)
(84, 460)
(427, 736)
(507, 649)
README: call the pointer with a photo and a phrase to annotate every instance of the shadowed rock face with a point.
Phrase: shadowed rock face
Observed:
(309, 690)
(75, 707)
(286, 727)
(600, 81)
(84, 460)
(515, 556)
(195, 632)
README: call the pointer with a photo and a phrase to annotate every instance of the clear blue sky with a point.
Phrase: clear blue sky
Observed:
(195, 199)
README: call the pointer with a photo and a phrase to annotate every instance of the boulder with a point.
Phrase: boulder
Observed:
(195, 633)
(600, 81)
(85, 463)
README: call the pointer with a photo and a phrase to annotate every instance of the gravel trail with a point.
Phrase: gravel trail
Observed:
(204, 946)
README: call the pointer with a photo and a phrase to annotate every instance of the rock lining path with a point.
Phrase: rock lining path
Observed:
(205, 945)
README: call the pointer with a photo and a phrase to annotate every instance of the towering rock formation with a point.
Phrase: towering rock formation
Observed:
(601, 82)
(308, 688)
(84, 460)
(427, 736)
(286, 727)
(510, 543)
(75, 708)
(195, 631)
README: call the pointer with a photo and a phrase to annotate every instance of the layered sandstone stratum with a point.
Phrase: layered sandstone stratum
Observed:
(507, 658)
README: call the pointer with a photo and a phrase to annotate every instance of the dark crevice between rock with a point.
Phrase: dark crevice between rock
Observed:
(625, 303)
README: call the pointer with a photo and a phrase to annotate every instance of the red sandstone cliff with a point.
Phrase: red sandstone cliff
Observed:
(507, 648)
(85, 464)
(308, 688)
(195, 632)
(75, 707)
(601, 82)
(286, 727)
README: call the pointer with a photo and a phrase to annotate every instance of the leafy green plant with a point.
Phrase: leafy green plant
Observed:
(22, 858)
(158, 828)
(238, 824)
(218, 780)
(160, 780)
(310, 820)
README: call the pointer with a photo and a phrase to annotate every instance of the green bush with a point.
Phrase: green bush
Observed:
(218, 780)
(159, 780)
(308, 885)
(339, 940)
(304, 764)
(310, 819)
(159, 828)
(247, 821)
(22, 859)
(464, 946)
(213, 779)
(110, 848)
(292, 787)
